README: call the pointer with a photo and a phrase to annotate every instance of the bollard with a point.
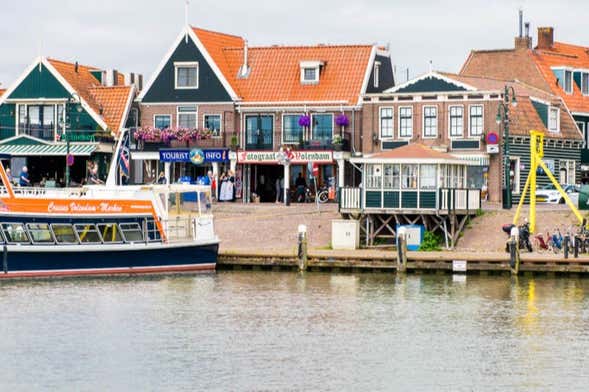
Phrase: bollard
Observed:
(565, 246)
(513, 255)
(302, 253)
(5, 259)
(576, 248)
(401, 250)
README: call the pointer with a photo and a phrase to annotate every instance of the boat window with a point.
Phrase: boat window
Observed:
(64, 234)
(15, 233)
(110, 232)
(40, 233)
(132, 232)
(88, 233)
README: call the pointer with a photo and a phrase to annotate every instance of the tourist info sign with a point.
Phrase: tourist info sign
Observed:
(272, 157)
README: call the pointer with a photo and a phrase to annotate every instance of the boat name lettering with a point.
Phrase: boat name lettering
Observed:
(80, 207)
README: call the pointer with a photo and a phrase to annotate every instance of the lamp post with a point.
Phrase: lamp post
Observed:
(503, 117)
(74, 99)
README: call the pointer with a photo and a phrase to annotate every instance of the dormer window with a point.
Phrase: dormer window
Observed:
(376, 72)
(310, 72)
(564, 78)
(585, 82)
(185, 75)
(554, 120)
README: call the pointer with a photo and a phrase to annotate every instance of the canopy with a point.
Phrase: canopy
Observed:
(79, 149)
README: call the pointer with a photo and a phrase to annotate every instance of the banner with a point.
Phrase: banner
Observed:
(196, 155)
(270, 157)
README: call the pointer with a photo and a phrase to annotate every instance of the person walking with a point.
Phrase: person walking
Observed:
(301, 186)
(278, 193)
(24, 177)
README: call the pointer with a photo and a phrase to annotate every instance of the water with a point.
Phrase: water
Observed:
(283, 331)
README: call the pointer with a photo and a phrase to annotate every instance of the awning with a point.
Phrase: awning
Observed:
(79, 149)
(476, 159)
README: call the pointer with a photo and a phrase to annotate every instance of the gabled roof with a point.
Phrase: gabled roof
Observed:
(108, 106)
(432, 82)
(566, 55)
(274, 75)
(411, 153)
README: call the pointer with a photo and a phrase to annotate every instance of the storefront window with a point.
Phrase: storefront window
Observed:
(391, 176)
(475, 176)
(292, 132)
(323, 128)
(409, 176)
(373, 176)
(428, 176)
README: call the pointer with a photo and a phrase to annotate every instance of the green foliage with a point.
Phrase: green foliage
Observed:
(431, 242)
(480, 212)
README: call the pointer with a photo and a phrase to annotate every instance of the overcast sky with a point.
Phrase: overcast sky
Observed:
(133, 35)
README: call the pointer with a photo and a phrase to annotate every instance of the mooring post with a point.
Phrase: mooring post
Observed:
(576, 247)
(5, 259)
(401, 250)
(565, 246)
(302, 253)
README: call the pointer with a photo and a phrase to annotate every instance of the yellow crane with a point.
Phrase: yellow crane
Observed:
(536, 155)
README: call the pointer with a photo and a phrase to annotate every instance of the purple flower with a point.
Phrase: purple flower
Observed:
(342, 120)
(304, 121)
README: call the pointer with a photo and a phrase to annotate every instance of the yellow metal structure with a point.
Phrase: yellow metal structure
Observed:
(536, 155)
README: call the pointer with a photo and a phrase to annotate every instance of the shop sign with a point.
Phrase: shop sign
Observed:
(196, 156)
(492, 149)
(272, 157)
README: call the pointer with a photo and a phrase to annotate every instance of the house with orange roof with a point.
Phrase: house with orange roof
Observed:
(457, 115)
(57, 108)
(558, 68)
(263, 103)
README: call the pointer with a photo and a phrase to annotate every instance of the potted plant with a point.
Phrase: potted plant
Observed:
(337, 142)
(234, 143)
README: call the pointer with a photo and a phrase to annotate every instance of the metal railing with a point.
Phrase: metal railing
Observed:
(452, 199)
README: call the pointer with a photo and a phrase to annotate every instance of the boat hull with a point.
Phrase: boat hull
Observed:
(39, 261)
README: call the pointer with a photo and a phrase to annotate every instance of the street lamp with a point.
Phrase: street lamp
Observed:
(503, 116)
(74, 99)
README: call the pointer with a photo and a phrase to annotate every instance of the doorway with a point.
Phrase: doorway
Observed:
(263, 180)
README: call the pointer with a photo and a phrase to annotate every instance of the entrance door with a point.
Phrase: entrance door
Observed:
(263, 180)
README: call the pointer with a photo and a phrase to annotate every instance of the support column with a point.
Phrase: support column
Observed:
(167, 172)
(287, 184)
(341, 164)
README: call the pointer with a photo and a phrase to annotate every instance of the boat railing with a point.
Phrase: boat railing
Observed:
(182, 228)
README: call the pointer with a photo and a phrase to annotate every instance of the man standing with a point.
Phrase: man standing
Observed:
(24, 177)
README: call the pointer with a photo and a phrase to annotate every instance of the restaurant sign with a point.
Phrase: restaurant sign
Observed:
(273, 157)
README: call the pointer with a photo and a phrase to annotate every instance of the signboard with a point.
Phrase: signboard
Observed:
(69, 160)
(413, 235)
(272, 157)
(196, 155)
(459, 265)
(492, 138)
(492, 149)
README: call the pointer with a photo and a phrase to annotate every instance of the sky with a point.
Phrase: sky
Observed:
(133, 35)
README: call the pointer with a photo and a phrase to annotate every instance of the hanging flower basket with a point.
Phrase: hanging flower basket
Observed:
(166, 136)
(342, 120)
(305, 120)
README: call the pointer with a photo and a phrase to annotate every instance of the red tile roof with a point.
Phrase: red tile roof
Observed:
(2, 91)
(108, 102)
(561, 54)
(275, 71)
(413, 151)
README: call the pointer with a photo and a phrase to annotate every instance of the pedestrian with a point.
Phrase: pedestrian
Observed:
(93, 177)
(9, 175)
(301, 186)
(24, 177)
(278, 193)
(162, 179)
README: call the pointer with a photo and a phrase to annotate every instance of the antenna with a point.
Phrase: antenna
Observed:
(40, 53)
(186, 3)
(521, 22)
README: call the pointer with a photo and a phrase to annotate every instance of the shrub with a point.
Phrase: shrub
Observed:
(431, 242)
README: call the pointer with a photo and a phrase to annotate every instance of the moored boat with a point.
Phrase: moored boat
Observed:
(104, 230)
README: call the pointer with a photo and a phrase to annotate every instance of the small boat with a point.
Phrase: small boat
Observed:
(105, 229)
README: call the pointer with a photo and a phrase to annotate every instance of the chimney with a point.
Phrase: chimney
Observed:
(76, 67)
(521, 41)
(545, 37)
(244, 70)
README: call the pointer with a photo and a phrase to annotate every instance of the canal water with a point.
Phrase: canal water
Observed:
(285, 331)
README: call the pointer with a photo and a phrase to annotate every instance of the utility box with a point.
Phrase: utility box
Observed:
(583, 203)
(345, 234)
(413, 235)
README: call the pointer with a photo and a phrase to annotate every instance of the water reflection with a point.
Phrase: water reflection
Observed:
(282, 330)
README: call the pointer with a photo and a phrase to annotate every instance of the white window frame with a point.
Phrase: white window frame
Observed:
(401, 137)
(283, 141)
(585, 77)
(186, 64)
(570, 167)
(316, 65)
(516, 175)
(392, 135)
(423, 135)
(581, 126)
(568, 88)
(450, 122)
(550, 110)
(220, 115)
(376, 79)
(162, 115)
(470, 120)
(178, 113)
(312, 126)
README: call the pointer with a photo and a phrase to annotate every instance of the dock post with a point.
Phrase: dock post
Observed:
(514, 255)
(401, 250)
(5, 259)
(302, 253)
(565, 246)
(576, 247)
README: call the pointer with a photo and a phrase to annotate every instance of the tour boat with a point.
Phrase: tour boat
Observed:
(105, 229)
